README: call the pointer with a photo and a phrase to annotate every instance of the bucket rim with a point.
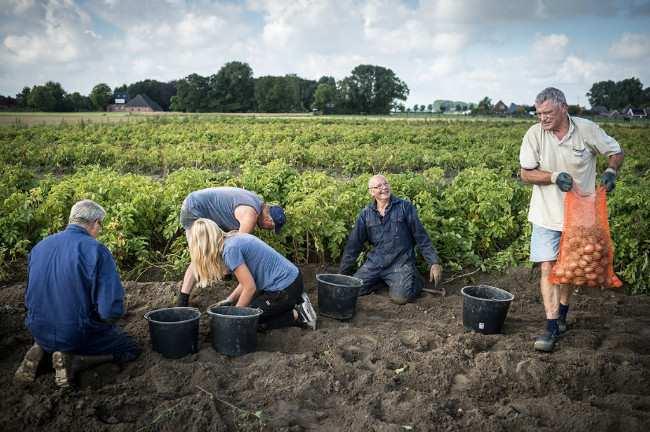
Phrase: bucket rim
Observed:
(257, 312)
(147, 316)
(358, 281)
(507, 293)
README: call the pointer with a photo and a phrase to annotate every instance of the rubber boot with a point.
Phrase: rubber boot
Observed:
(26, 372)
(66, 365)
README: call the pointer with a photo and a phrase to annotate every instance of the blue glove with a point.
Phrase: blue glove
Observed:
(609, 179)
(563, 180)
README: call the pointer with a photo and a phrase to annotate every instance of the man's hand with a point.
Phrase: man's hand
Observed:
(563, 180)
(609, 179)
(225, 302)
(435, 274)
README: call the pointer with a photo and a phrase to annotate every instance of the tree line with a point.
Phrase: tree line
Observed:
(369, 89)
(620, 94)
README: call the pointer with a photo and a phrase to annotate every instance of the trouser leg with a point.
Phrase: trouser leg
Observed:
(404, 282)
(277, 307)
(370, 276)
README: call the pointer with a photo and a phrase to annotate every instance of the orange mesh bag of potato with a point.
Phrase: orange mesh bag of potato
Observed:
(586, 248)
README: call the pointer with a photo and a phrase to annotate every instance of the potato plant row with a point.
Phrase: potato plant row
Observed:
(462, 177)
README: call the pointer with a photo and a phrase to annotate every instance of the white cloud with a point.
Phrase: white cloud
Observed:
(631, 46)
(550, 47)
(453, 49)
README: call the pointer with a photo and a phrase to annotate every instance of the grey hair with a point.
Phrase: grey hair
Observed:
(551, 94)
(85, 212)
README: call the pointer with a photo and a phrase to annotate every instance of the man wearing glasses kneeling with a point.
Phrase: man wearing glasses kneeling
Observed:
(392, 227)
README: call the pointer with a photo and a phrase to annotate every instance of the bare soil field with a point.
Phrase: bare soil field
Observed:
(390, 368)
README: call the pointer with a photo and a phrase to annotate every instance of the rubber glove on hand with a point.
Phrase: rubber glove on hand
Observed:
(609, 179)
(563, 180)
(182, 300)
(435, 274)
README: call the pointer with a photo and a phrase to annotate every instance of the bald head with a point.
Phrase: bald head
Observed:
(376, 180)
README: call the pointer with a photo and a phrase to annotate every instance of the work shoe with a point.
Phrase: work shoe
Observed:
(546, 342)
(562, 325)
(26, 372)
(306, 312)
(63, 374)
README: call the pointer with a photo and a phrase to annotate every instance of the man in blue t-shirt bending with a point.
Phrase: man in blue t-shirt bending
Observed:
(74, 297)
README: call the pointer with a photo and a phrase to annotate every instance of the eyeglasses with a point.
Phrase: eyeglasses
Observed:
(380, 186)
(99, 222)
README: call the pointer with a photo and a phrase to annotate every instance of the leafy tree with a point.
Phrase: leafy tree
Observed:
(232, 89)
(616, 95)
(100, 96)
(422, 108)
(325, 97)
(191, 94)
(485, 105)
(275, 94)
(416, 107)
(372, 90)
(303, 90)
(48, 97)
(430, 107)
(22, 98)
(459, 108)
(78, 102)
(327, 80)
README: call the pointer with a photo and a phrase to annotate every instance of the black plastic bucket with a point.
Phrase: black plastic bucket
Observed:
(337, 295)
(485, 308)
(174, 331)
(234, 329)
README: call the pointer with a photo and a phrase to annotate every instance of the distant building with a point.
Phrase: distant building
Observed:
(121, 98)
(500, 108)
(140, 103)
(600, 110)
(635, 113)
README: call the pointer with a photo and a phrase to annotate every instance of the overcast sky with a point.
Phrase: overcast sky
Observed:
(443, 49)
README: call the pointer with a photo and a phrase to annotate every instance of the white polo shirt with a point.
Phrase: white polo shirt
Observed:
(575, 154)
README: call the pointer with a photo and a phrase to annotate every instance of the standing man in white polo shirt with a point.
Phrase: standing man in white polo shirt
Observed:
(557, 154)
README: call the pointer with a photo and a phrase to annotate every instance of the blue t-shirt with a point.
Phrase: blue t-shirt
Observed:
(271, 271)
(218, 204)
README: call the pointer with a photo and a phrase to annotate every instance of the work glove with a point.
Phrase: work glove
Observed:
(609, 179)
(563, 180)
(183, 299)
(435, 274)
(225, 302)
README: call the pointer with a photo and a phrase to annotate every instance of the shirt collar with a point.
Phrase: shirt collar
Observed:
(77, 228)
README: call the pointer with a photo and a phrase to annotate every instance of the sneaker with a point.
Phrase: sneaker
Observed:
(26, 372)
(546, 342)
(306, 312)
(62, 363)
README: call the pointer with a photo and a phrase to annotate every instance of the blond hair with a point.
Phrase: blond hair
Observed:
(206, 241)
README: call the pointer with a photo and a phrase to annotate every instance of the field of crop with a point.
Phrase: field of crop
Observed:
(461, 175)
(389, 368)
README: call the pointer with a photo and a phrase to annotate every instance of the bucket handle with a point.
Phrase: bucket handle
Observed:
(146, 315)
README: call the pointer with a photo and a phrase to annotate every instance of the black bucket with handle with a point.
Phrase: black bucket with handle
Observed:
(174, 331)
(337, 295)
(234, 329)
(485, 308)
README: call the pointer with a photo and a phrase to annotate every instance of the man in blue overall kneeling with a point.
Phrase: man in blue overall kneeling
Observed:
(392, 227)
(74, 297)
